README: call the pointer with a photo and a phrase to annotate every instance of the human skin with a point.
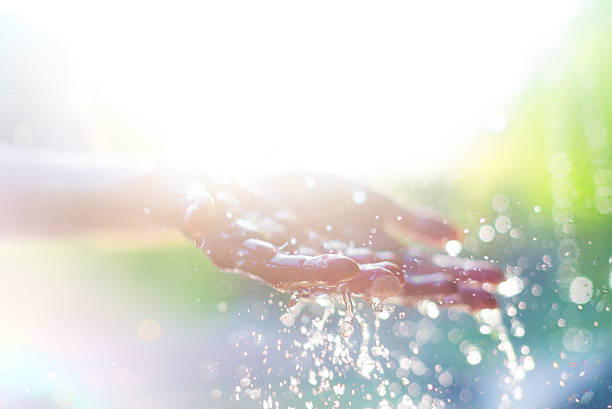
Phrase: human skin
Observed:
(303, 233)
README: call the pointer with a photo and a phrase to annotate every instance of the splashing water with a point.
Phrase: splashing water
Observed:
(346, 327)
(331, 352)
(493, 319)
(338, 357)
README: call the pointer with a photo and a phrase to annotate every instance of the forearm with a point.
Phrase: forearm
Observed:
(52, 193)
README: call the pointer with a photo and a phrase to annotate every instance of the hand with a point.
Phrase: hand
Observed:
(315, 233)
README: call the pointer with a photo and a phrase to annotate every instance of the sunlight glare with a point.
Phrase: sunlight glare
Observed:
(317, 85)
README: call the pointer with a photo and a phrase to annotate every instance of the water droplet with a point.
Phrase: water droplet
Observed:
(199, 242)
(287, 319)
(445, 379)
(528, 363)
(486, 233)
(511, 287)
(359, 196)
(503, 224)
(376, 304)
(578, 340)
(346, 329)
(453, 248)
(432, 309)
(221, 306)
(384, 404)
(515, 233)
(474, 357)
(339, 389)
(149, 330)
(294, 299)
(581, 290)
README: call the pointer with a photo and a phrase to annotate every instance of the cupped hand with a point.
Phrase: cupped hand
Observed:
(316, 233)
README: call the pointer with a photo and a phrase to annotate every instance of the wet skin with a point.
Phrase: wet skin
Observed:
(311, 233)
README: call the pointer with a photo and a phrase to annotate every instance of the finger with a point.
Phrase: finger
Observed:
(423, 225)
(273, 228)
(476, 298)
(199, 213)
(380, 240)
(262, 259)
(482, 275)
(221, 250)
(388, 265)
(365, 255)
(362, 283)
(375, 281)
(204, 215)
(284, 270)
(466, 269)
(323, 201)
(252, 196)
(321, 198)
(429, 285)
(272, 225)
(228, 249)
(439, 287)
(416, 261)
(307, 241)
(419, 262)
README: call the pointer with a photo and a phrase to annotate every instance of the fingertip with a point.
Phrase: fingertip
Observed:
(375, 281)
(199, 215)
(477, 298)
(386, 286)
(482, 272)
(470, 270)
(482, 275)
(429, 284)
(443, 231)
(393, 268)
(429, 227)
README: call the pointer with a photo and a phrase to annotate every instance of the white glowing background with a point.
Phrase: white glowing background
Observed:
(319, 84)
